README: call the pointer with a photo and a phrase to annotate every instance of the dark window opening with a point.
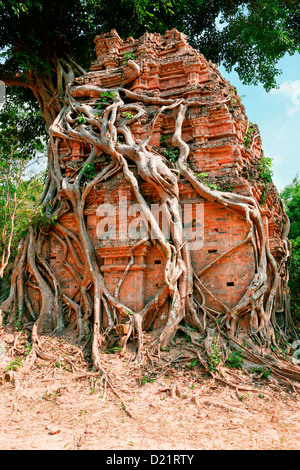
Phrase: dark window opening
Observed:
(230, 283)
(157, 261)
(212, 251)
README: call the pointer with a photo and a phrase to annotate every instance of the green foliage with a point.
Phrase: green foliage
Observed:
(227, 187)
(127, 114)
(129, 56)
(291, 198)
(264, 371)
(114, 349)
(106, 98)
(145, 379)
(89, 171)
(249, 135)
(214, 357)
(194, 363)
(14, 365)
(17, 322)
(81, 118)
(28, 348)
(265, 169)
(258, 34)
(21, 128)
(46, 220)
(164, 140)
(241, 397)
(203, 177)
(266, 174)
(21, 140)
(39, 216)
(250, 36)
(171, 154)
(235, 359)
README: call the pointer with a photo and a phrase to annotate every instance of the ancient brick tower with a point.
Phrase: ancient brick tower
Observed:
(225, 153)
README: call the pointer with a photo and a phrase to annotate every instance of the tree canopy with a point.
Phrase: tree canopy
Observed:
(248, 35)
(291, 197)
(21, 140)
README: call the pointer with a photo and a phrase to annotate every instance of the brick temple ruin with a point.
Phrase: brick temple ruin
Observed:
(153, 133)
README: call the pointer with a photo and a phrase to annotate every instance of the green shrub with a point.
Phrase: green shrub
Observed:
(235, 359)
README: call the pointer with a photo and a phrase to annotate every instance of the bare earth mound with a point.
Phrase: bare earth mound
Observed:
(168, 404)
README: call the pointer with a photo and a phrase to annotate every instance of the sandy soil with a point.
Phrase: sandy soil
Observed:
(61, 405)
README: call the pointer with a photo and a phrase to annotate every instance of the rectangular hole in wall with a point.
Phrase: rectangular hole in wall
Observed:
(157, 261)
(230, 283)
(212, 251)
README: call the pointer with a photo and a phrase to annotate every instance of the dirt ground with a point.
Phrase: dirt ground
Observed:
(63, 405)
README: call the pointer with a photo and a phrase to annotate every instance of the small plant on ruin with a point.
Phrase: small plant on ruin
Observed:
(105, 98)
(265, 169)
(265, 173)
(81, 118)
(171, 154)
(130, 55)
(249, 135)
(203, 177)
(164, 140)
(227, 187)
(89, 171)
(127, 115)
